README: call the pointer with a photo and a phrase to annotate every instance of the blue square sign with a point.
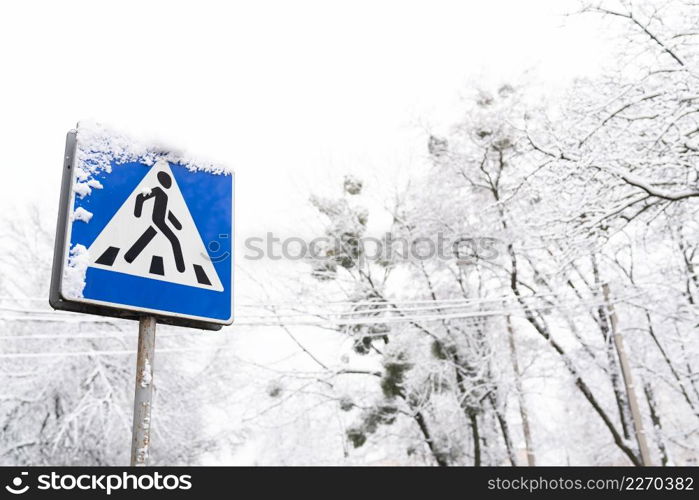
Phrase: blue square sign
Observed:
(143, 231)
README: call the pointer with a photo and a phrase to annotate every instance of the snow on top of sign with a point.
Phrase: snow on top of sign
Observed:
(99, 145)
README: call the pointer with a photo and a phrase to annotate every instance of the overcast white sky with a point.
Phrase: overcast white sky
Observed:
(282, 91)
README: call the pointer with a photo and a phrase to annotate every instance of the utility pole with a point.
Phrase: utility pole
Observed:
(628, 381)
(143, 396)
(531, 461)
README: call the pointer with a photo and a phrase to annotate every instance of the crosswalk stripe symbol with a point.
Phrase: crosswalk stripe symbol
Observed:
(169, 246)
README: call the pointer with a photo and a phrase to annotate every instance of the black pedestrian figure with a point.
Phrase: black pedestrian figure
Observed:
(159, 213)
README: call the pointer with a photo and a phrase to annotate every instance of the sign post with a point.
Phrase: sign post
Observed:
(146, 234)
(143, 394)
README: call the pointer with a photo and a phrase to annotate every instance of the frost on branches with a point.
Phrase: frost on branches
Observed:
(593, 202)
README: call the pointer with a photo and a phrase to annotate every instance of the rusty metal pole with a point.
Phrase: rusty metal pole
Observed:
(143, 396)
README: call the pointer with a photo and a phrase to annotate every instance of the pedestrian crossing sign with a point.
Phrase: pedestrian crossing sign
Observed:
(143, 231)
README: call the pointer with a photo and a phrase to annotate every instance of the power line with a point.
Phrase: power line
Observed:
(46, 315)
(340, 322)
(34, 315)
(100, 335)
(298, 313)
(102, 353)
(439, 305)
(391, 306)
(329, 323)
(259, 305)
(384, 302)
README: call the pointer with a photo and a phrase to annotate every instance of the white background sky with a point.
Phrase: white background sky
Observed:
(280, 91)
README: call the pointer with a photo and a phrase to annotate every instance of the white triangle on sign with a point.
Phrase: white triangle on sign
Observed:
(114, 250)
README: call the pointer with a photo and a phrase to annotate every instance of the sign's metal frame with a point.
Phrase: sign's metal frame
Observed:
(90, 306)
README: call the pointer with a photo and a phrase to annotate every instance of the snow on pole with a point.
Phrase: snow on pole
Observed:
(143, 397)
